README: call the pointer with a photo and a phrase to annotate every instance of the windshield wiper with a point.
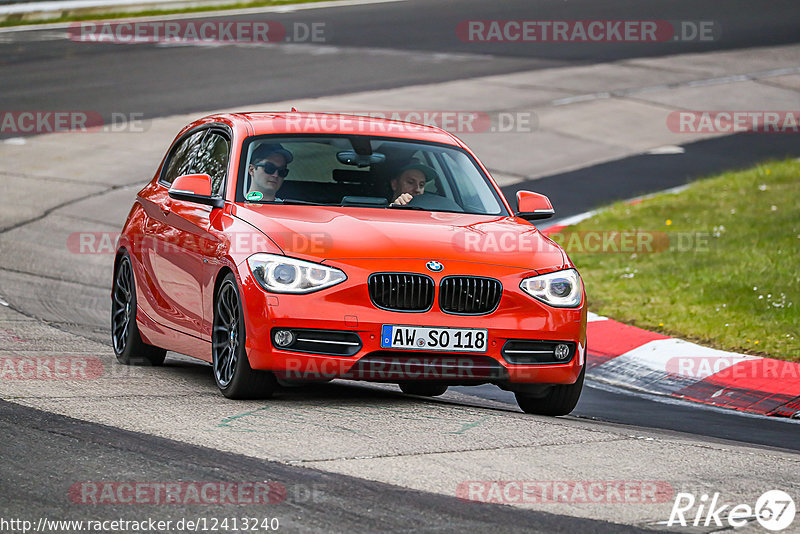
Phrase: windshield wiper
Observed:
(407, 207)
(303, 202)
(433, 210)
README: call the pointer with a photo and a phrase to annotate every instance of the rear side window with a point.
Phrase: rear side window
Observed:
(181, 160)
(212, 159)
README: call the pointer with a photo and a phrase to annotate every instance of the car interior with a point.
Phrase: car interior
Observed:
(353, 171)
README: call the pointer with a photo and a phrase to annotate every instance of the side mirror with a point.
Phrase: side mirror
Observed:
(533, 206)
(195, 188)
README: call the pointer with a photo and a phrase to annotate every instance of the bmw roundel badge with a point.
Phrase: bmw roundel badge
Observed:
(434, 266)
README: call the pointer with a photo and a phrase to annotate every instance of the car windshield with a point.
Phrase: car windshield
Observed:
(364, 172)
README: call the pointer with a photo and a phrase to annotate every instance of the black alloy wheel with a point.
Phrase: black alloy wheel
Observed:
(232, 372)
(129, 347)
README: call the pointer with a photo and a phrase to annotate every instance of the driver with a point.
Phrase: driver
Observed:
(410, 182)
(267, 170)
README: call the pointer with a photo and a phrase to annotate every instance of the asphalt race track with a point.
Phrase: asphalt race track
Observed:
(350, 457)
(316, 501)
(366, 48)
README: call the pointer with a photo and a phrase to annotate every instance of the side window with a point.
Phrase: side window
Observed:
(465, 178)
(182, 158)
(439, 187)
(212, 159)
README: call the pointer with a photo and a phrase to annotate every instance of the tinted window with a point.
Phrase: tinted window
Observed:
(327, 170)
(212, 159)
(182, 158)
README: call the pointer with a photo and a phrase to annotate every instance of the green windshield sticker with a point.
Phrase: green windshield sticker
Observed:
(254, 195)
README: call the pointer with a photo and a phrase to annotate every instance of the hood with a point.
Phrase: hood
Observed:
(320, 233)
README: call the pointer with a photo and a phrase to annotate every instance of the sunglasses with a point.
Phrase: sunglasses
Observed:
(270, 168)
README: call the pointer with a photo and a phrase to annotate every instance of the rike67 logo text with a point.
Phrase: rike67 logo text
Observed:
(774, 510)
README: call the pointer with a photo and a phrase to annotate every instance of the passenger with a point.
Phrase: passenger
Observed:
(410, 182)
(267, 170)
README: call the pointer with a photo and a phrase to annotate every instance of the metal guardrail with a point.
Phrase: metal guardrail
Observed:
(9, 2)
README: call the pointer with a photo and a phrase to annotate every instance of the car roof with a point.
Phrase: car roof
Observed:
(295, 122)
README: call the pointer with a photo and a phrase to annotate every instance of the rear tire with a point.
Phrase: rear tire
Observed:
(232, 372)
(129, 347)
(422, 389)
(560, 400)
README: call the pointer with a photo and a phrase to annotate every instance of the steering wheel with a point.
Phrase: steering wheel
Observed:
(432, 201)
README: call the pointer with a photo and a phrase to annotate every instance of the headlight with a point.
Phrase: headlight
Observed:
(561, 289)
(281, 274)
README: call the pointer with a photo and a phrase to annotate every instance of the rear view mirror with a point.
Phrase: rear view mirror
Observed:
(351, 157)
(195, 188)
(533, 206)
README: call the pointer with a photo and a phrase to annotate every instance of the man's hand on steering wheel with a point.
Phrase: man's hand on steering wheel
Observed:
(402, 200)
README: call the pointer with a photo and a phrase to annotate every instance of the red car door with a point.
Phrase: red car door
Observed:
(180, 240)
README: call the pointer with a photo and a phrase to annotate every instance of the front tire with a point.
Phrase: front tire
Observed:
(129, 347)
(560, 400)
(232, 372)
(423, 389)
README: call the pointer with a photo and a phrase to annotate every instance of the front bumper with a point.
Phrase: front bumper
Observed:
(347, 308)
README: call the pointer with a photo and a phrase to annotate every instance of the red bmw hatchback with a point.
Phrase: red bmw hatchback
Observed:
(292, 247)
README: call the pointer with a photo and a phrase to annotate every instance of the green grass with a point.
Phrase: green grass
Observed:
(11, 21)
(730, 275)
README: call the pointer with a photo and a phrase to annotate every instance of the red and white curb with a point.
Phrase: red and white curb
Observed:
(631, 357)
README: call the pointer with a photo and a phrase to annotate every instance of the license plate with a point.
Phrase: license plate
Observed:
(427, 338)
